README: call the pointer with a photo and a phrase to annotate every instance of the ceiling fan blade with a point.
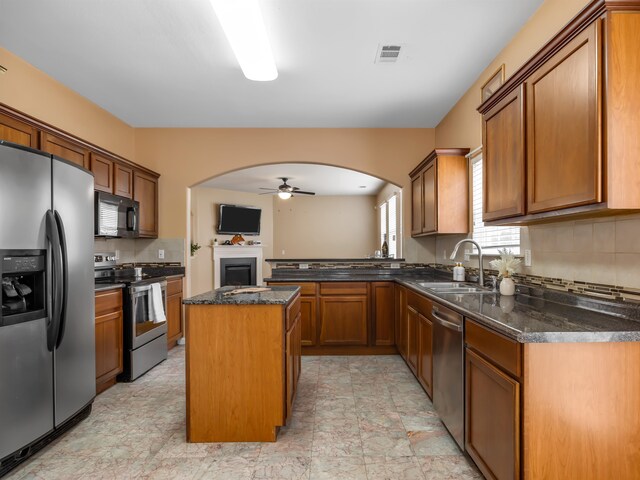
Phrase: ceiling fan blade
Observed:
(268, 193)
(304, 193)
(272, 189)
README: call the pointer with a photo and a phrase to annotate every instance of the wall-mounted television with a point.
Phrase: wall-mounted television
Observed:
(234, 219)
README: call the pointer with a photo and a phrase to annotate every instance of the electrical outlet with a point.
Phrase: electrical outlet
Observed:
(395, 265)
(467, 255)
(282, 252)
(304, 266)
(160, 254)
(117, 254)
(527, 258)
(444, 255)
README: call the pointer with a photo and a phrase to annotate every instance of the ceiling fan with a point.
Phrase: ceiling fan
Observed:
(285, 190)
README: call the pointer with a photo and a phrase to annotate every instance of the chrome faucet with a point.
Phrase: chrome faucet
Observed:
(455, 251)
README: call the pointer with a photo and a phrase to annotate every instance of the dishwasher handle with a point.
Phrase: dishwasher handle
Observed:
(445, 323)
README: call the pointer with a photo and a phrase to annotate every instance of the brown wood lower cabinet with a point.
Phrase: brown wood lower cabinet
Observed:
(492, 418)
(401, 320)
(174, 311)
(382, 311)
(343, 320)
(412, 338)
(108, 338)
(293, 362)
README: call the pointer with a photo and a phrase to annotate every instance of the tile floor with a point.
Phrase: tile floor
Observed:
(354, 418)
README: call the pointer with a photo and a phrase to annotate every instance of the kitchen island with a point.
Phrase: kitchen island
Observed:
(242, 363)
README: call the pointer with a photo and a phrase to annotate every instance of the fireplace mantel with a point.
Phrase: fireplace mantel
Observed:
(236, 251)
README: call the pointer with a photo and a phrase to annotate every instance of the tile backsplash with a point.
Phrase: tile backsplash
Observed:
(143, 250)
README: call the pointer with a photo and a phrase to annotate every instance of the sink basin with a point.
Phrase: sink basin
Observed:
(453, 287)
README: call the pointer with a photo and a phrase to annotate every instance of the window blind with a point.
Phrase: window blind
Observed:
(489, 238)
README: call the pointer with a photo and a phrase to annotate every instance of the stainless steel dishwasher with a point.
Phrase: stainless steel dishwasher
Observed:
(448, 370)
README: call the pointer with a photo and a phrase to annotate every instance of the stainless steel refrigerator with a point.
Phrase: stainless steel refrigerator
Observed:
(47, 331)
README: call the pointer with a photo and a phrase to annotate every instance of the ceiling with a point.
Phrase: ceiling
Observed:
(321, 179)
(166, 63)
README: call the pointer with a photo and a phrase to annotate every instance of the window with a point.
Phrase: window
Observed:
(489, 238)
(389, 228)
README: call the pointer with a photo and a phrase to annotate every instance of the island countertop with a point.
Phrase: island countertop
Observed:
(277, 295)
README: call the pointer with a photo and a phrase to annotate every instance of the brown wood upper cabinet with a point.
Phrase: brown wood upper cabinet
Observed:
(568, 120)
(440, 193)
(64, 148)
(102, 168)
(15, 131)
(145, 191)
(123, 181)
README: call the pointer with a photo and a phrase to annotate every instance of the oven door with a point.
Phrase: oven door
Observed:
(145, 326)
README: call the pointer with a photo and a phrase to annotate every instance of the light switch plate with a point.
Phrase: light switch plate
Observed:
(527, 258)
(395, 265)
(161, 254)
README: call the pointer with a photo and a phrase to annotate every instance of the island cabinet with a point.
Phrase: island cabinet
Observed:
(174, 311)
(243, 363)
(440, 193)
(551, 410)
(108, 308)
(308, 310)
(565, 125)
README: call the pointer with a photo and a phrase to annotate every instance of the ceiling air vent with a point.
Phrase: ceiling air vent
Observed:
(388, 53)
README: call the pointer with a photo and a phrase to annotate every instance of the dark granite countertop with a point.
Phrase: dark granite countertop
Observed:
(163, 271)
(278, 295)
(101, 287)
(533, 315)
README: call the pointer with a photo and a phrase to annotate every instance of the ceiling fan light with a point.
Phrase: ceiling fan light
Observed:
(284, 195)
(244, 27)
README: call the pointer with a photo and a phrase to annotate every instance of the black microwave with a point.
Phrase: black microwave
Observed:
(116, 216)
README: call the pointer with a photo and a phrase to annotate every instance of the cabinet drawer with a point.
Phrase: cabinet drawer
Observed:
(343, 288)
(419, 303)
(108, 301)
(293, 310)
(174, 286)
(306, 288)
(504, 352)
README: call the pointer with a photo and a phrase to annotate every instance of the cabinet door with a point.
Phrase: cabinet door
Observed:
(145, 191)
(108, 346)
(15, 131)
(308, 308)
(412, 338)
(564, 164)
(430, 199)
(382, 303)
(401, 320)
(63, 148)
(416, 205)
(293, 356)
(123, 181)
(343, 320)
(297, 350)
(492, 419)
(102, 169)
(503, 158)
(174, 319)
(425, 353)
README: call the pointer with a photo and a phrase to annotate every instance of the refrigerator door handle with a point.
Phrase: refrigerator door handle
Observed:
(53, 238)
(64, 279)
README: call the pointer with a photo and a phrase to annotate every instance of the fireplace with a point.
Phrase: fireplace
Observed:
(237, 271)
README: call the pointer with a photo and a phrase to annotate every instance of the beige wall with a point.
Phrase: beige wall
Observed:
(204, 221)
(324, 227)
(31, 91)
(185, 157)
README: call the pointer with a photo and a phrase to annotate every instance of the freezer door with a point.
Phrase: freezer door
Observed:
(25, 196)
(74, 358)
(26, 385)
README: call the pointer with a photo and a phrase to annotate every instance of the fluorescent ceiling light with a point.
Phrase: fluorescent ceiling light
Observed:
(284, 195)
(242, 23)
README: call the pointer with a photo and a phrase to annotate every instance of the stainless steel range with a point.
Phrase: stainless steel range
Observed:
(145, 324)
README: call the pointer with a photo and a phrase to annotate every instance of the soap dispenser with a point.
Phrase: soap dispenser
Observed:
(458, 273)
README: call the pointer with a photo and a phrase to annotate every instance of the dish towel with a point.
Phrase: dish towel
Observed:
(156, 308)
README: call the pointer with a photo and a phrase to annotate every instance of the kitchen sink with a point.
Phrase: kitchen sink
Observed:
(453, 287)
